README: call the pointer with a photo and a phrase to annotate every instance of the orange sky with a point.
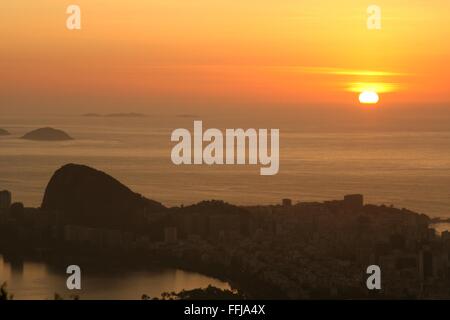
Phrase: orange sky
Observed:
(165, 52)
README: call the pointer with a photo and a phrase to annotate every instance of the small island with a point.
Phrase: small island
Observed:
(92, 115)
(126, 115)
(47, 134)
(187, 115)
(4, 132)
(115, 115)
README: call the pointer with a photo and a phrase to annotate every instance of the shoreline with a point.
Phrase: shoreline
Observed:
(133, 262)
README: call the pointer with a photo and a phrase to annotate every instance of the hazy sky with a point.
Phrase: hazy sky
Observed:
(155, 54)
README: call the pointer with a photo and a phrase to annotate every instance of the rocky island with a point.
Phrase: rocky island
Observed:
(115, 115)
(126, 115)
(4, 132)
(92, 115)
(47, 134)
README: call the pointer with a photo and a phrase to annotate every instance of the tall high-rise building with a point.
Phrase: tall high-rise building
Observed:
(353, 202)
(426, 262)
(170, 235)
(5, 199)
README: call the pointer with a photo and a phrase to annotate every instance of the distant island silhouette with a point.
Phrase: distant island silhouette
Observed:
(116, 115)
(4, 132)
(47, 134)
(187, 115)
(92, 115)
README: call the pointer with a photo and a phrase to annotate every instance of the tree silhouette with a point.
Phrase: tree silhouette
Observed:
(4, 295)
(209, 293)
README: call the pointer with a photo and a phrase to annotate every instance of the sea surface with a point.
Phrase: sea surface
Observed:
(403, 168)
(28, 280)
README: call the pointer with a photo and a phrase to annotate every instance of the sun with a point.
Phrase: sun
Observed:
(368, 97)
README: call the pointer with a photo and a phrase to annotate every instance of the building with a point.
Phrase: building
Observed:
(353, 202)
(287, 202)
(223, 226)
(425, 264)
(170, 235)
(5, 200)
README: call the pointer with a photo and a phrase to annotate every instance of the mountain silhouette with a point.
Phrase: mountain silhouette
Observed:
(47, 134)
(3, 132)
(85, 196)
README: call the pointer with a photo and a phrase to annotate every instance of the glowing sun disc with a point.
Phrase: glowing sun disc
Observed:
(368, 97)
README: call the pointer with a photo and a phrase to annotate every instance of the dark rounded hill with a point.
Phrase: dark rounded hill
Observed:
(47, 134)
(212, 207)
(3, 132)
(85, 196)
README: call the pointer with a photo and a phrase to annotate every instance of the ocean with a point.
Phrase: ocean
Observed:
(406, 168)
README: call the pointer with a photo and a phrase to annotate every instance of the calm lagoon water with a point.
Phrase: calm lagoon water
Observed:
(37, 281)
